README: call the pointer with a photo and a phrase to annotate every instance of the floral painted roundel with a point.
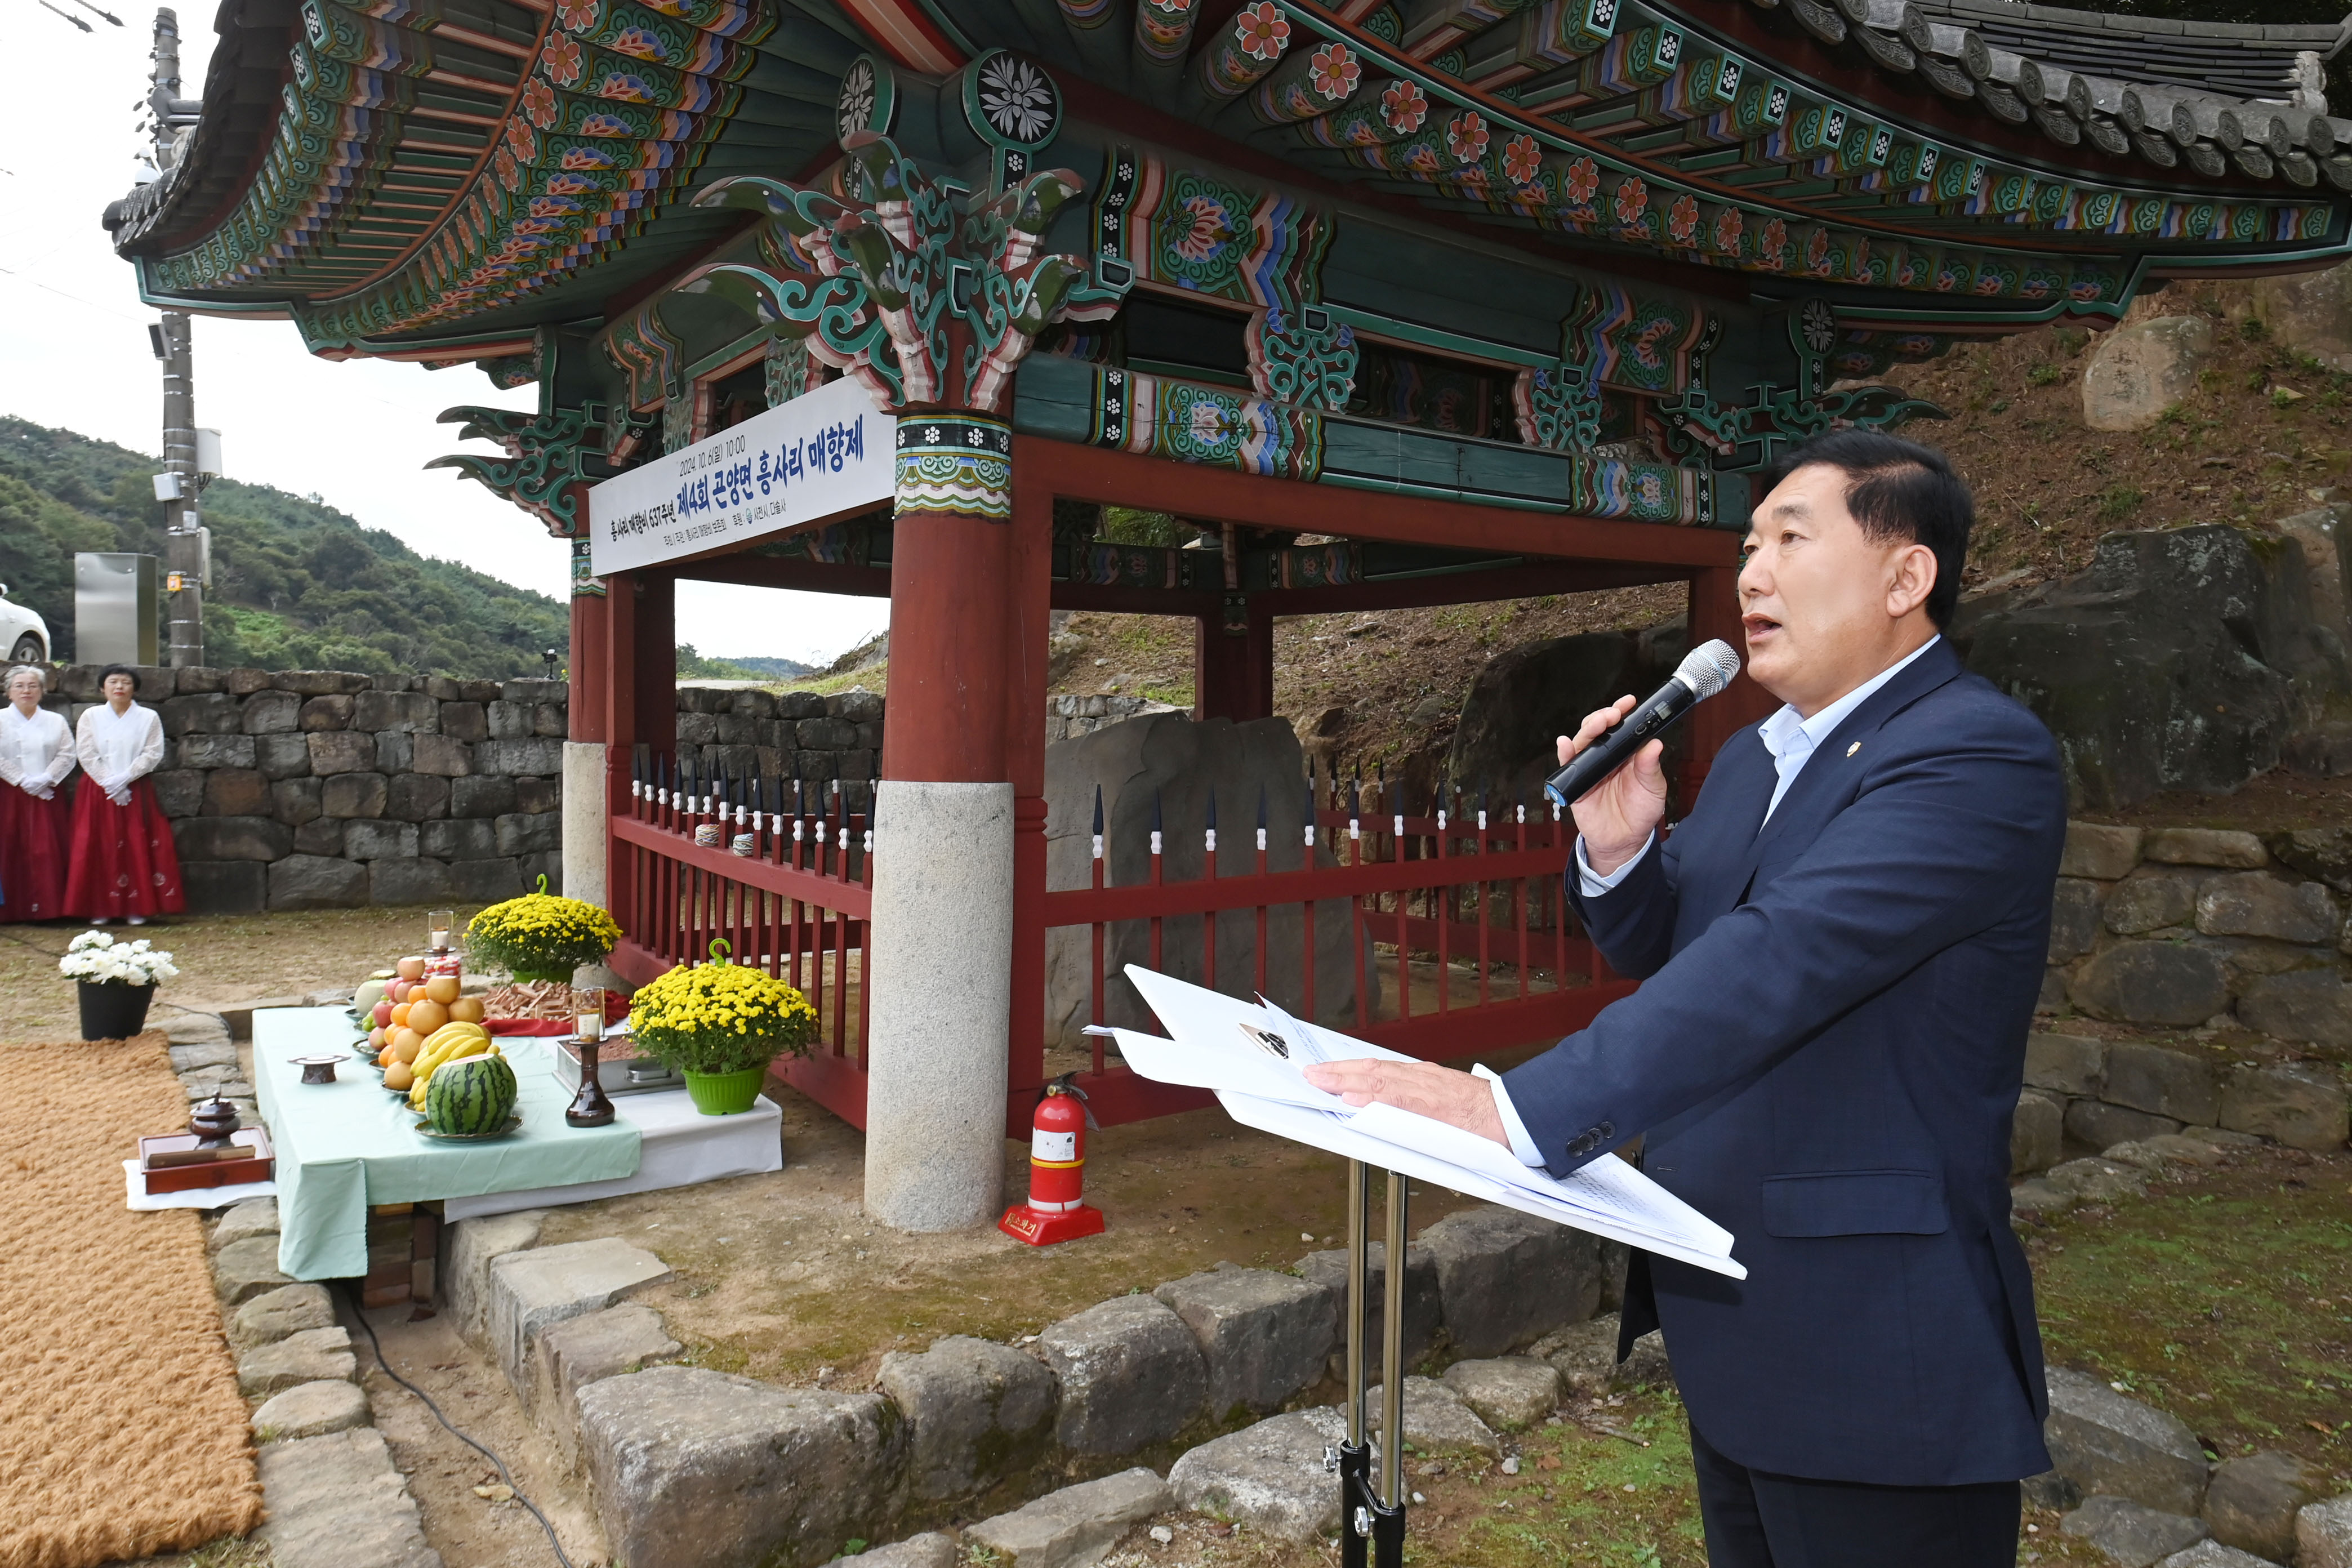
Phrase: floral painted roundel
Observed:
(868, 99)
(1820, 324)
(1011, 101)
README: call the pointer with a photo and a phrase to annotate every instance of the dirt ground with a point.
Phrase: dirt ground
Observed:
(222, 958)
(782, 1277)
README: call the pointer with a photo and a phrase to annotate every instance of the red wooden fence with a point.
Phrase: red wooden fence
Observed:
(1457, 924)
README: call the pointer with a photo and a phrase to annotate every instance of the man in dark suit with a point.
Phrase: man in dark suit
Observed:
(1840, 947)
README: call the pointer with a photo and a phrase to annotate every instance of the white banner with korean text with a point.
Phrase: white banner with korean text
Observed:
(824, 453)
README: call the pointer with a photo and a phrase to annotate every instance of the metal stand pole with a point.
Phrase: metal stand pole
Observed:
(1371, 1523)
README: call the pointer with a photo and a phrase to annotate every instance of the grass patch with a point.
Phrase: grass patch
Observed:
(2224, 1298)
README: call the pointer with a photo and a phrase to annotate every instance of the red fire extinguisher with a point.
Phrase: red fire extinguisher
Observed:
(1056, 1209)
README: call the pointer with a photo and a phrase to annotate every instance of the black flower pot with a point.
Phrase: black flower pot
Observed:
(112, 1011)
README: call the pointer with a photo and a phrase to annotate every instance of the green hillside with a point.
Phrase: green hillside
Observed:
(297, 585)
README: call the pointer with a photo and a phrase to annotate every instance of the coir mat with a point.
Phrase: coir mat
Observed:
(121, 1431)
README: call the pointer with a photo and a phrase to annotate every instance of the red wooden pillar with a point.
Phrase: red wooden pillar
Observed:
(588, 658)
(652, 669)
(967, 617)
(616, 689)
(1715, 613)
(1232, 663)
(1030, 582)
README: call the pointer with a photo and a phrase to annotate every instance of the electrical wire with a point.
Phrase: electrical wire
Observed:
(504, 1475)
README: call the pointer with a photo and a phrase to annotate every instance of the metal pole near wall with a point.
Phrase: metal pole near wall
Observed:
(181, 481)
(183, 521)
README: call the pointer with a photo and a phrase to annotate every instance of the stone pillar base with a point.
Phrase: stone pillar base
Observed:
(941, 949)
(584, 833)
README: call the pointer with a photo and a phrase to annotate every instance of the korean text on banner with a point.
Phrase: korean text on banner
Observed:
(824, 453)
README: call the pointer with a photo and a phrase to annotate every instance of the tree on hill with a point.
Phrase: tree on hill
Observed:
(296, 583)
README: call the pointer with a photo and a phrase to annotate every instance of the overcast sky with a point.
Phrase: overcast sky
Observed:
(74, 353)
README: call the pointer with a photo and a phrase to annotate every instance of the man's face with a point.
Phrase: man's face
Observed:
(1818, 598)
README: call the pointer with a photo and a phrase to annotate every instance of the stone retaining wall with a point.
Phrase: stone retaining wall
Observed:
(324, 789)
(2233, 944)
(745, 733)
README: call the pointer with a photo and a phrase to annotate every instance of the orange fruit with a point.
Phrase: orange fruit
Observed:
(466, 1010)
(400, 1015)
(442, 988)
(384, 1059)
(426, 1015)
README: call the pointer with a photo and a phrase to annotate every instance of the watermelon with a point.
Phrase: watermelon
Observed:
(471, 1095)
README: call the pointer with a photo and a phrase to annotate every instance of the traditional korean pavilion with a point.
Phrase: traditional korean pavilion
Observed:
(1465, 300)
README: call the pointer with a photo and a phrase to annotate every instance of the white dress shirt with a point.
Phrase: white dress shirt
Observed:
(1791, 738)
(117, 749)
(36, 754)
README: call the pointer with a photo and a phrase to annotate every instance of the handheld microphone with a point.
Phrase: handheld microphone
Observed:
(1705, 671)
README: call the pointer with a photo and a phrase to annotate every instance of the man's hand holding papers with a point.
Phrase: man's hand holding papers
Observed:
(1457, 1098)
(1224, 1044)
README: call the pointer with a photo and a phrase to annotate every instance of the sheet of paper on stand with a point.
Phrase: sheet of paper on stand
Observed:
(1216, 1047)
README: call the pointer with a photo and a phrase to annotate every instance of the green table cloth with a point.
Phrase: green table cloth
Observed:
(346, 1146)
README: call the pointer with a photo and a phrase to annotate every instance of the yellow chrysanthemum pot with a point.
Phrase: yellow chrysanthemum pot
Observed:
(719, 1025)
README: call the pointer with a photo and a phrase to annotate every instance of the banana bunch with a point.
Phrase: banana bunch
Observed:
(448, 1043)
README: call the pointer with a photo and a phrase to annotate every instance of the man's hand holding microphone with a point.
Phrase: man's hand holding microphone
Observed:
(1616, 814)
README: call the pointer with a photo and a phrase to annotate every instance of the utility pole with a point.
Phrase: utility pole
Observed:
(182, 481)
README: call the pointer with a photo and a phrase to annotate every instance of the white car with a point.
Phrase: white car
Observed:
(22, 632)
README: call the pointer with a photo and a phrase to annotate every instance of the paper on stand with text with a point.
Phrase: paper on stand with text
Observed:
(824, 453)
(1219, 1045)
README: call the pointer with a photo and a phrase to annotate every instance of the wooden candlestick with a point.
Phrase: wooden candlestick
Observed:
(590, 1107)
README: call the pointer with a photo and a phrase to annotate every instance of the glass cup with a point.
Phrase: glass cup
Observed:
(438, 924)
(589, 1003)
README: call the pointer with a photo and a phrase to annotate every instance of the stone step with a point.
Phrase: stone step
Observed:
(311, 1410)
(1076, 1527)
(338, 1501)
(254, 1217)
(932, 1551)
(976, 1412)
(574, 1353)
(2130, 1535)
(313, 1355)
(1276, 1477)
(1131, 1375)
(273, 1315)
(690, 1466)
(1435, 1417)
(1263, 1336)
(532, 1292)
(468, 1248)
(2111, 1446)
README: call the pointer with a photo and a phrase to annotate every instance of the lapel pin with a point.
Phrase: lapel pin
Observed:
(1853, 749)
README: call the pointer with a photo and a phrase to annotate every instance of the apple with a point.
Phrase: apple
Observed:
(382, 1013)
(411, 968)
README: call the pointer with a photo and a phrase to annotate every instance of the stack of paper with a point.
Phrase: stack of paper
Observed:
(1251, 1054)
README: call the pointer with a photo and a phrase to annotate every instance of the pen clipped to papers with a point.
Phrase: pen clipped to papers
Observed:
(1250, 1055)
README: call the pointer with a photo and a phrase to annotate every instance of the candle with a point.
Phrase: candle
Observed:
(591, 1026)
(437, 925)
(591, 1022)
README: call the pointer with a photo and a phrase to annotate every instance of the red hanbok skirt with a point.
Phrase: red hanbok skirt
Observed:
(123, 859)
(32, 855)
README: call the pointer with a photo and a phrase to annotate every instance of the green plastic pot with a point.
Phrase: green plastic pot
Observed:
(725, 1093)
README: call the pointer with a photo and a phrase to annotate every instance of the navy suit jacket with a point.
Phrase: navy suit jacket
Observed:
(1825, 1058)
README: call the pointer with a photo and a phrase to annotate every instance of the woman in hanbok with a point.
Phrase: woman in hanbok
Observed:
(36, 753)
(124, 865)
